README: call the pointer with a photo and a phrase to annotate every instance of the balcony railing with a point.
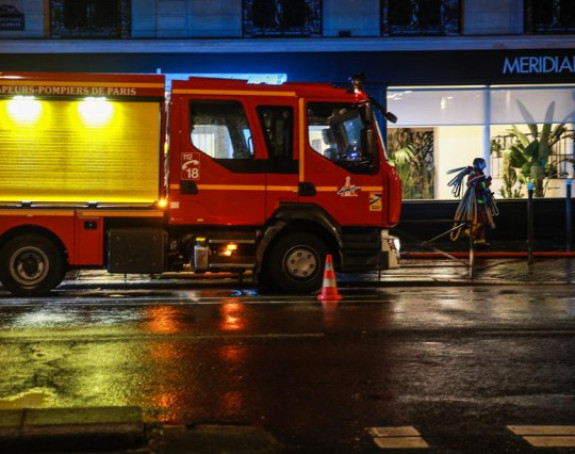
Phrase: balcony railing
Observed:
(550, 16)
(90, 18)
(420, 17)
(263, 18)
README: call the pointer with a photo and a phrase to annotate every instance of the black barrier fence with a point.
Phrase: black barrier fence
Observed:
(550, 227)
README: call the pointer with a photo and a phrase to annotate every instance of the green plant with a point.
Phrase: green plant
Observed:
(530, 152)
(508, 189)
(411, 153)
(402, 153)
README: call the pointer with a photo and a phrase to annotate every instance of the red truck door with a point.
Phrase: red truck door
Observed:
(222, 175)
(341, 165)
(277, 120)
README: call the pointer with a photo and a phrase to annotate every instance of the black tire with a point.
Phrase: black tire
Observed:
(31, 265)
(296, 263)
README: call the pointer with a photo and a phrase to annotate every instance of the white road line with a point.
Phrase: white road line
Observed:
(401, 443)
(542, 430)
(551, 442)
(398, 431)
(546, 436)
(397, 437)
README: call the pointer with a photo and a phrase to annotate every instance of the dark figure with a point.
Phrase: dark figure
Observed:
(477, 207)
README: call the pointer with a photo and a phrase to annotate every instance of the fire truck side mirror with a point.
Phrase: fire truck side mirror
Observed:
(390, 117)
(368, 114)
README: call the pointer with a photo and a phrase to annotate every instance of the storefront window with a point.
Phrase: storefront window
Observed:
(532, 139)
(525, 133)
(439, 128)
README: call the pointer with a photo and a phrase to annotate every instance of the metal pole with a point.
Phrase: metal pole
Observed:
(471, 251)
(530, 222)
(568, 236)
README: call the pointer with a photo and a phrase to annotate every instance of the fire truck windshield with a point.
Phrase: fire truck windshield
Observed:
(342, 133)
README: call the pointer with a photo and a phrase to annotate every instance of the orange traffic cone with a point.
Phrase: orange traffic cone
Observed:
(329, 287)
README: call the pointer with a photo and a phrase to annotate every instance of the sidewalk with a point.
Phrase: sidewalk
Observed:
(504, 262)
(118, 430)
(494, 269)
(102, 429)
(416, 268)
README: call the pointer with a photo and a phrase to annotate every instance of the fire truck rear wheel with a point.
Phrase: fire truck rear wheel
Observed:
(296, 263)
(31, 265)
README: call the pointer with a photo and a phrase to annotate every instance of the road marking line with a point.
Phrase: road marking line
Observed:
(398, 437)
(400, 431)
(546, 436)
(551, 442)
(401, 443)
(542, 430)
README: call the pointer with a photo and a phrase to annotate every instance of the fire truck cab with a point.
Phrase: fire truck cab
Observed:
(216, 175)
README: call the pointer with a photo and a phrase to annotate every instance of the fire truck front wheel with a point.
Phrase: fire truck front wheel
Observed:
(296, 263)
(31, 265)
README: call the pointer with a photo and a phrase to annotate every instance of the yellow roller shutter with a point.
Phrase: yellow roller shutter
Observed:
(79, 150)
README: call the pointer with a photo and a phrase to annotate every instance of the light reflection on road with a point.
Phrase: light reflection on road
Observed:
(192, 356)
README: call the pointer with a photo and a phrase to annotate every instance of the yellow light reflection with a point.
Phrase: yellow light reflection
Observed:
(24, 109)
(233, 402)
(165, 400)
(233, 353)
(233, 319)
(162, 319)
(96, 111)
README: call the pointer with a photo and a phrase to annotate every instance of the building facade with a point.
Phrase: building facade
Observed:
(466, 78)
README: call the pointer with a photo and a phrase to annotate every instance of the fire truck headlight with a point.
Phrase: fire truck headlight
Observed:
(230, 249)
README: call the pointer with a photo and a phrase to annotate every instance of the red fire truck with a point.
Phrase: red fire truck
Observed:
(110, 171)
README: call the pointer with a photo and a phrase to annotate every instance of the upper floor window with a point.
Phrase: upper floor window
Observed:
(550, 16)
(11, 19)
(282, 17)
(420, 17)
(89, 18)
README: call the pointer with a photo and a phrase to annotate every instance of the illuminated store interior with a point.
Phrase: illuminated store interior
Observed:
(446, 127)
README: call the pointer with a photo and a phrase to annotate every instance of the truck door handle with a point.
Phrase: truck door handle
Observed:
(188, 187)
(90, 225)
(306, 189)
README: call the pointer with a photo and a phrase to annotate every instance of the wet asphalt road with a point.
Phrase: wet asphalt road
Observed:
(459, 364)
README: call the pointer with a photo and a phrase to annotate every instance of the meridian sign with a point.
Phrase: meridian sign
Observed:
(539, 64)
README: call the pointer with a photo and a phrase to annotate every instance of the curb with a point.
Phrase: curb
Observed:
(216, 438)
(71, 429)
(489, 254)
